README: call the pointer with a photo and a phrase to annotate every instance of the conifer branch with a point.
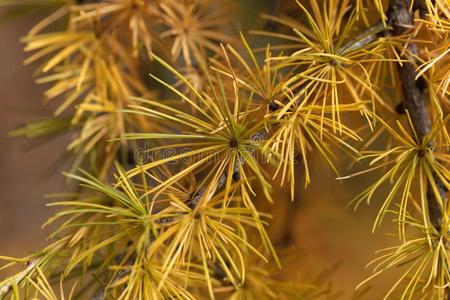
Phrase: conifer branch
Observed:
(401, 19)
(415, 100)
(192, 203)
(183, 228)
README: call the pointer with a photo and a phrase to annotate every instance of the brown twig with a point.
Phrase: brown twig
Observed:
(415, 97)
(401, 18)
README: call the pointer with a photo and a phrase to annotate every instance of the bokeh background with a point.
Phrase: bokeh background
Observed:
(325, 231)
(23, 180)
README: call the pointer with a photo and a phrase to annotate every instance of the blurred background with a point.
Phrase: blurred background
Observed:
(24, 180)
(325, 231)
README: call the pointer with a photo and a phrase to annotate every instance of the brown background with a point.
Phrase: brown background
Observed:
(23, 181)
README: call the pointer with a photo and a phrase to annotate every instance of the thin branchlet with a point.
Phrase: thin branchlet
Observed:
(368, 36)
(4, 290)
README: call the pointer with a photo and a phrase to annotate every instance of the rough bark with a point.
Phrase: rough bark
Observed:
(401, 20)
(415, 97)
